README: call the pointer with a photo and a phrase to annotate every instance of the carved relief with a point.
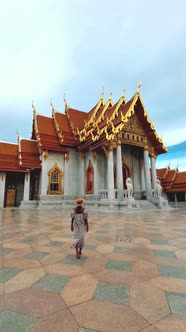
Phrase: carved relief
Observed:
(45, 154)
(94, 156)
(2, 176)
(67, 156)
(106, 151)
(82, 155)
(134, 126)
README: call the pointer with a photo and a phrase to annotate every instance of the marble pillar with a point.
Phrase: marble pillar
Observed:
(26, 194)
(119, 172)
(153, 170)
(66, 175)
(2, 188)
(147, 174)
(110, 175)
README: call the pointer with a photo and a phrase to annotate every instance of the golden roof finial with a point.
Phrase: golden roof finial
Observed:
(33, 108)
(53, 110)
(18, 136)
(102, 94)
(139, 86)
(123, 92)
(110, 94)
(65, 102)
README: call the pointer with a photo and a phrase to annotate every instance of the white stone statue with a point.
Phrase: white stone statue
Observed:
(129, 190)
(158, 189)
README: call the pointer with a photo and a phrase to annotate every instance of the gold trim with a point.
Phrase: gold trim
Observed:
(45, 154)
(67, 156)
(92, 185)
(106, 151)
(60, 172)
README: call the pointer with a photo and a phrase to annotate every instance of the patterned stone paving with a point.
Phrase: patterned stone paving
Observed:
(130, 278)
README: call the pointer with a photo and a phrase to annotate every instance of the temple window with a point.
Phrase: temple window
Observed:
(90, 179)
(132, 136)
(128, 136)
(55, 180)
(141, 139)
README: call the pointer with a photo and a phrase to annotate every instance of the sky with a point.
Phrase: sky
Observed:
(54, 47)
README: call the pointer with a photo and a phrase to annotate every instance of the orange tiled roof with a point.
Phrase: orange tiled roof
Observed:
(63, 129)
(29, 154)
(46, 134)
(9, 157)
(170, 176)
(180, 178)
(172, 181)
(76, 117)
(161, 173)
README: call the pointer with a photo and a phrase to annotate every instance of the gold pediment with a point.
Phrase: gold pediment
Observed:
(133, 125)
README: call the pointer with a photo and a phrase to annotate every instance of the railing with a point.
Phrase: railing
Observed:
(103, 194)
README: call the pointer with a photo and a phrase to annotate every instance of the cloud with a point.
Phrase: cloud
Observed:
(52, 47)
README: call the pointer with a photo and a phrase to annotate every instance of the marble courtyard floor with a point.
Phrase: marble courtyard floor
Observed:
(131, 277)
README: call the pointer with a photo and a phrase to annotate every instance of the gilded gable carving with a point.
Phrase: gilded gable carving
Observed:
(134, 126)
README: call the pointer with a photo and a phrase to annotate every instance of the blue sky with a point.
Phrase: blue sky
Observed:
(52, 47)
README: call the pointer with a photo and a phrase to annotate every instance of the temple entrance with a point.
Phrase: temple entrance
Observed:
(90, 179)
(14, 188)
(34, 184)
(125, 170)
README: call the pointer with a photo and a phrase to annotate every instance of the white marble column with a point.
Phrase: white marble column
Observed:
(110, 175)
(119, 172)
(2, 188)
(44, 175)
(142, 174)
(81, 174)
(153, 170)
(147, 174)
(67, 175)
(95, 165)
(26, 194)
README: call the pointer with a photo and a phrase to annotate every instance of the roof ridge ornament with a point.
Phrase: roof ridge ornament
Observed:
(102, 94)
(139, 87)
(53, 109)
(33, 107)
(123, 92)
(110, 96)
(65, 102)
(18, 136)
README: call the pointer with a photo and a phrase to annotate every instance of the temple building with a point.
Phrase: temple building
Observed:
(89, 154)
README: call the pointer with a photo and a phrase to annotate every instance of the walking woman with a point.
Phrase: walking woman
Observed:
(79, 224)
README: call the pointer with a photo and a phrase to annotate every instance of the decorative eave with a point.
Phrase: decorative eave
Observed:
(93, 117)
(74, 131)
(102, 115)
(59, 132)
(19, 149)
(125, 118)
(35, 133)
(121, 101)
(95, 132)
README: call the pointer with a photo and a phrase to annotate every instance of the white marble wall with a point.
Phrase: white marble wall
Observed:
(2, 188)
(26, 193)
(74, 179)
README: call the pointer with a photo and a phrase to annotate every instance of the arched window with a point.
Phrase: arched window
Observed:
(55, 180)
(90, 179)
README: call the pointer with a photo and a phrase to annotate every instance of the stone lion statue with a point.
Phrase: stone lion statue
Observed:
(158, 189)
(129, 191)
